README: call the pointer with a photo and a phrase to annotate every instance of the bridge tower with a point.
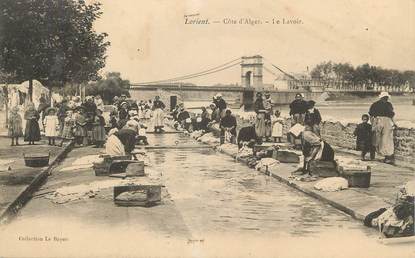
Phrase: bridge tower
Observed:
(251, 72)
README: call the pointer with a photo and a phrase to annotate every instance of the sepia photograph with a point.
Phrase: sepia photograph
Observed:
(207, 128)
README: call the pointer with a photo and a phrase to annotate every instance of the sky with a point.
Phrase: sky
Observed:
(150, 40)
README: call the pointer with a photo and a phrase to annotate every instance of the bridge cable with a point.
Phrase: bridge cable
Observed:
(279, 69)
(269, 71)
(193, 74)
(219, 70)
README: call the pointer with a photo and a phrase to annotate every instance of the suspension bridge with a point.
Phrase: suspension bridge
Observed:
(253, 69)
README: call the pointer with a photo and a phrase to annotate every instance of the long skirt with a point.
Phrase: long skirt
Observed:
(98, 133)
(158, 117)
(268, 128)
(32, 131)
(114, 147)
(15, 129)
(382, 128)
(277, 130)
(67, 132)
(80, 131)
(260, 125)
(298, 119)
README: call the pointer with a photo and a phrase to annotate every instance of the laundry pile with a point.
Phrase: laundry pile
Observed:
(332, 184)
(196, 134)
(397, 220)
(266, 163)
(244, 152)
(208, 138)
(142, 156)
(84, 191)
(351, 163)
(252, 162)
(303, 178)
(228, 148)
(104, 187)
(83, 163)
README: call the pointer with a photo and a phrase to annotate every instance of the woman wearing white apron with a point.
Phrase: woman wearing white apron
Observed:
(158, 115)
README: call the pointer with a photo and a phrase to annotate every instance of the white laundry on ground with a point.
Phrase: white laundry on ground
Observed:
(208, 138)
(228, 147)
(244, 152)
(351, 163)
(83, 163)
(265, 163)
(332, 184)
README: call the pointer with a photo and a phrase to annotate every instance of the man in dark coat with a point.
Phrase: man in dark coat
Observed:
(313, 117)
(227, 124)
(221, 104)
(298, 108)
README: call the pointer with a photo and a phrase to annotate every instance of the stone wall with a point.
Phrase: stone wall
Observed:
(342, 136)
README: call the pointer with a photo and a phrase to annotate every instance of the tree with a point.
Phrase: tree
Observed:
(323, 71)
(344, 71)
(52, 41)
(112, 85)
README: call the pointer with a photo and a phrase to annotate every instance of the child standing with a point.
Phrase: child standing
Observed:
(15, 125)
(363, 132)
(277, 123)
(80, 123)
(98, 133)
(51, 124)
(68, 127)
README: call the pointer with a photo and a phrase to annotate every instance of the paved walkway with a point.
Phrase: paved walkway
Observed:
(15, 177)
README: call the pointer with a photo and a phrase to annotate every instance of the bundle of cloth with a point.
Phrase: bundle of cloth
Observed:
(228, 148)
(266, 163)
(245, 151)
(397, 220)
(332, 184)
(196, 134)
(208, 138)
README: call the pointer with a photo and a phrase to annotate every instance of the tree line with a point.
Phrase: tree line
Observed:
(50, 41)
(362, 74)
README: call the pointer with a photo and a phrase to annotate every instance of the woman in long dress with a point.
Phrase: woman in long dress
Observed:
(158, 114)
(98, 132)
(382, 113)
(260, 116)
(32, 130)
